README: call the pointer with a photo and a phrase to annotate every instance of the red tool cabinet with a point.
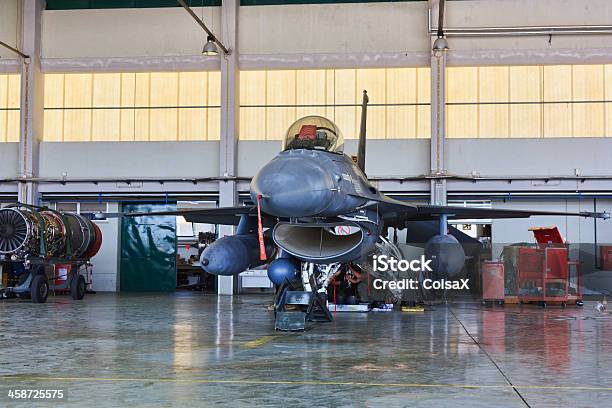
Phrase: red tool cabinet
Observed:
(492, 281)
(543, 271)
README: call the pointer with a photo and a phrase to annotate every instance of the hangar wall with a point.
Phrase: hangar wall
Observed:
(346, 36)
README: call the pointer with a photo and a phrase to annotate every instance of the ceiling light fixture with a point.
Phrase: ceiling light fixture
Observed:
(212, 42)
(210, 48)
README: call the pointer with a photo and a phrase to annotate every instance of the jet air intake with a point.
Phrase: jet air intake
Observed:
(320, 242)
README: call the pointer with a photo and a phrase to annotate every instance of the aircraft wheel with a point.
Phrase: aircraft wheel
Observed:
(77, 287)
(39, 289)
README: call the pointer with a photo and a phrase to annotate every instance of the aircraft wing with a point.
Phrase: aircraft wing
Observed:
(222, 215)
(397, 213)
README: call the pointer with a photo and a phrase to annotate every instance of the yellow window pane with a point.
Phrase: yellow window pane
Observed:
(330, 93)
(54, 91)
(401, 122)
(374, 81)
(3, 124)
(301, 112)
(4, 91)
(253, 88)
(141, 124)
(128, 117)
(525, 120)
(558, 83)
(462, 121)
(54, 125)
(493, 121)
(280, 88)
(588, 119)
(588, 82)
(278, 121)
(253, 92)
(423, 85)
(193, 88)
(401, 85)
(462, 84)
(164, 89)
(608, 97)
(106, 90)
(344, 86)
(12, 126)
(375, 128)
(214, 88)
(14, 91)
(164, 124)
(78, 90)
(525, 84)
(77, 125)
(106, 126)
(588, 85)
(214, 123)
(423, 125)
(192, 124)
(142, 90)
(344, 117)
(252, 123)
(558, 120)
(310, 88)
(558, 89)
(493, 84)
(128, 89)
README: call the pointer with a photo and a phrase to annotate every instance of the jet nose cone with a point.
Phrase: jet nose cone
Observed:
(294, 185)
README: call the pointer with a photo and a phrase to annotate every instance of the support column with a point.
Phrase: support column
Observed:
(230, 114)
(438, 121)
(31, 113)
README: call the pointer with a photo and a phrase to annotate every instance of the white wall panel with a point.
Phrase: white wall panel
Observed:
(124, 32)
(135, 159)
(9, 26)
(9, 152)
(334, 28)
(520, 157)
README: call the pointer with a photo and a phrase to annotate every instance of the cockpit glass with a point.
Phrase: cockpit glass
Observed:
(315, 133)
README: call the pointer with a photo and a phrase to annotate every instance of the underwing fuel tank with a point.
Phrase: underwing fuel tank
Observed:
(234, 254)
(447, 255)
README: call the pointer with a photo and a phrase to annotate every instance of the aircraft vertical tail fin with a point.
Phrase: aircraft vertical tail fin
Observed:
(361, 150)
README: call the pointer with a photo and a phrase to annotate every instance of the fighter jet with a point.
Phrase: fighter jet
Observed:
(317, 206)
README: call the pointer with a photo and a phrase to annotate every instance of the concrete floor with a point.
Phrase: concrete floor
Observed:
(190, 349)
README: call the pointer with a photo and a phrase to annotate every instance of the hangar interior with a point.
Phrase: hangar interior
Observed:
(116, 109)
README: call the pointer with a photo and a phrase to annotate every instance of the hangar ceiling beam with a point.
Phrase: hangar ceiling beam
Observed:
(230, 114)
(31, 113)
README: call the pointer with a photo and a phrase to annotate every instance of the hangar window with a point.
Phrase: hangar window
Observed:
(270, 101)
(529, 101)
(10, 92)
(156, 106)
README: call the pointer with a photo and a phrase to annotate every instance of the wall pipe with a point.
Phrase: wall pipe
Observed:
(510, 31)
(65, 180)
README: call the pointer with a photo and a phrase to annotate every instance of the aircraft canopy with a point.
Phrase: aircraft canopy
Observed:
(314, 132)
